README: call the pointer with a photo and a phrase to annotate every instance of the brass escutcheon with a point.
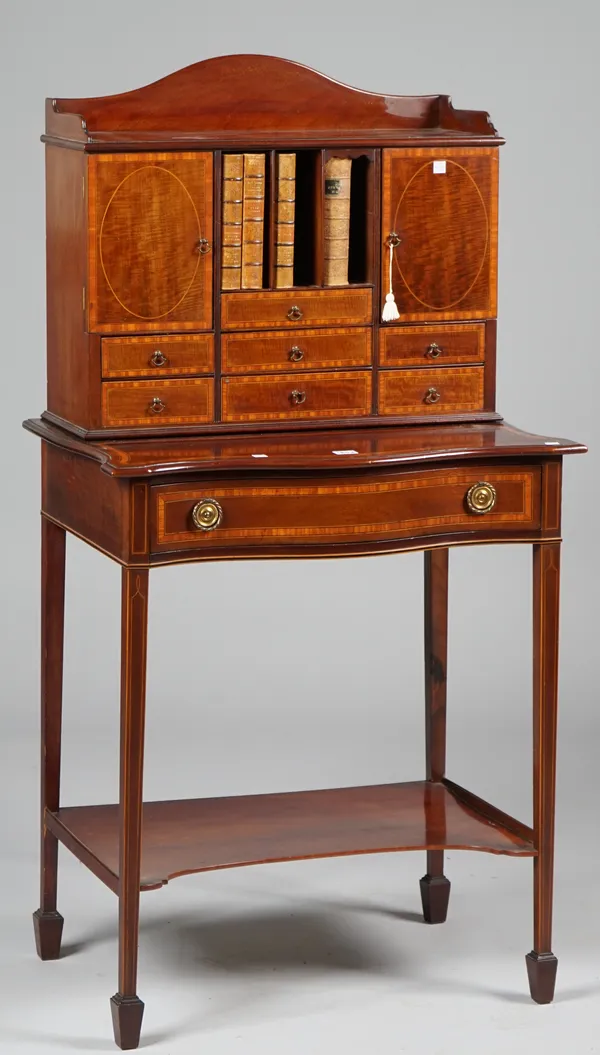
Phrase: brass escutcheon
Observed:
(296, 354)
(393, 240)
(481, 497)
(157, 406)
(207, 514)
(158, 359)
(432, 395)
(203, 246)
(295, 313)
(297, 397)
(433, 350)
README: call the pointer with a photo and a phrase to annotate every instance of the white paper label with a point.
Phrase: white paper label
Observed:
(439, 166)
(259, 455)
(344, 452)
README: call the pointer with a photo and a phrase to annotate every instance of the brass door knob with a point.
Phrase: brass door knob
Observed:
(203, 246)
(481, 497)
(157, 406)
(432, 395)
(433, 350)
(296, 354)
(207, 514)
(295, 313)
(297, 397)
(158, 359)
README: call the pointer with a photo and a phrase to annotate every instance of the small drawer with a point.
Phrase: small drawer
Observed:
(454, 391)
(349, 306)
(392, 506)
(307, 350)
(432, 346)
(157, 403)
(291, 397)
(157, 356)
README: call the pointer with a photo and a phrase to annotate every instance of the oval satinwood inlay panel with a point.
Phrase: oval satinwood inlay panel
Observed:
(444, 226)
(148, 242)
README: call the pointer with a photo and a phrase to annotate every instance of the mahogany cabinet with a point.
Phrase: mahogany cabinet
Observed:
(192, 420)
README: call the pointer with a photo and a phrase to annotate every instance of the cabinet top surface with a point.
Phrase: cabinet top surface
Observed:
(240, 99)
(347, 449)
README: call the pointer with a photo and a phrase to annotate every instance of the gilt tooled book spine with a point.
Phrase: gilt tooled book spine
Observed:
(232, 219)
(253, 221)
(336, 221)
(284, 220)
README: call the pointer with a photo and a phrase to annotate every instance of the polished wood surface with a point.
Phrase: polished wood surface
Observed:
(156, 357)
(315, 307)
(235, 99)
(418, 346)
(148, 215)
(338, 394)
(194, 835)
(308, 350)
(445, 266)
(156, 403)
(431, 391)
(384, 506)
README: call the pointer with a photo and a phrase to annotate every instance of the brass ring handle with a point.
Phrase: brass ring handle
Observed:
(157, 406)
(297, 397)
(295, 313)
(432, 395)
(158, 359)
(393, 240)
(207, 514)
(203, 246)
(433, 350)
(481, 497)
(296, 354)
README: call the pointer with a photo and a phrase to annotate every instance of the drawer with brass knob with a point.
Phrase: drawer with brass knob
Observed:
(307, 350)
(347, 306)
(384, 506)
(162, 356)
(292, 396)
(417, 346)
(453, 391)
(157, 403)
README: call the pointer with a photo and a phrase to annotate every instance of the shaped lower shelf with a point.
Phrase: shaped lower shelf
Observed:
(198, 835)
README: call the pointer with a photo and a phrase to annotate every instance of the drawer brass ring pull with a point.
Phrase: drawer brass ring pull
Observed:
(393, 240)
(296, 354)
(158, 359)
(481, 497)
(157, 406)
(207, 514)
(297, 397)
(203, 246)
(432, 395)
(433, 350)
(295, 313)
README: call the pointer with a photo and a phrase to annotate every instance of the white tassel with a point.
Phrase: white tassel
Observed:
(390, 310)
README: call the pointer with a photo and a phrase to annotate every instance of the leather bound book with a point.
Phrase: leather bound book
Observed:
(253, 221)
(336, 221)
(232, 216)
(284, 222)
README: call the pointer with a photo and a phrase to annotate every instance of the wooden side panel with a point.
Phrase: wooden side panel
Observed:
(443, 205)
(83, 499)
(72, 377)
(150, 216)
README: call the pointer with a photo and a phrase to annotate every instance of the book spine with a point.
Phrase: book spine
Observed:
(336, 221)
(232, 219)
(284, 221)
(253, 221)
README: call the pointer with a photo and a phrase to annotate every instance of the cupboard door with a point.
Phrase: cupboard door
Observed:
(443, 205)
(150, 242)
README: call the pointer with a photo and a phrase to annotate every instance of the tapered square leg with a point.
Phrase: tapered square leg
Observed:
(47, 922)
(127, 1014)
(435, 887)
(127, 1008)
(541, 962)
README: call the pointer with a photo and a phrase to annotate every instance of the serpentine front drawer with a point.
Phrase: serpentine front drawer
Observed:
(264, 513)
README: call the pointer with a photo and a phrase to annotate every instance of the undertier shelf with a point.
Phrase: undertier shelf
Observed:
(197, 835)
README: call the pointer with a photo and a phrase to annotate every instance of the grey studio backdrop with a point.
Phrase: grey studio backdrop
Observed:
(278, 676)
